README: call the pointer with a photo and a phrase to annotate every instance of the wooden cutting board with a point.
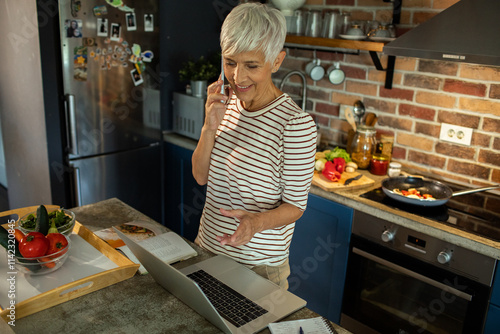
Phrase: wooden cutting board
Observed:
(322, 182)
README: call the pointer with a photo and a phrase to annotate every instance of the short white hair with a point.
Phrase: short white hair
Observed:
(253, 27)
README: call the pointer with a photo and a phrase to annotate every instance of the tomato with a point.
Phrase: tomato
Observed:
(57, 241)
(32, 245)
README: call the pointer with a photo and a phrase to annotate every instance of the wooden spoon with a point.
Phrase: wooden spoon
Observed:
(369, 118)
(350, 118)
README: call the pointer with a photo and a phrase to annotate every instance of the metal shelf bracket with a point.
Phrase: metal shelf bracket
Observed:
(389, 71)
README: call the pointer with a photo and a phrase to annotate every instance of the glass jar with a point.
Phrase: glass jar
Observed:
(363, 146)
(394, 169)
(379, 164)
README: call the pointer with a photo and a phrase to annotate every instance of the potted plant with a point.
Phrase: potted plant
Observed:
(198, 73)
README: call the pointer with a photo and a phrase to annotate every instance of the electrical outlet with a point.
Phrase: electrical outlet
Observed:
(455, 134)
(342, 109)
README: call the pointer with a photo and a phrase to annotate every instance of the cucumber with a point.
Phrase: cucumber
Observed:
(42, 220)
(4, 238)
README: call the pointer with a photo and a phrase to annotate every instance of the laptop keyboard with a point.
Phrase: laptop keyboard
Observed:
(231, 305)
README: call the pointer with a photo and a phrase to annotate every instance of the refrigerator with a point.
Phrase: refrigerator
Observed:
(111, 79)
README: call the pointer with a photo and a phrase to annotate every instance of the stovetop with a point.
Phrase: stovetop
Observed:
(477, 213)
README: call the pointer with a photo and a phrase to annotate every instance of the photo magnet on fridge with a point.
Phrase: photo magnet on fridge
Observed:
(73, 28)
(131, 22)
(148, 22)
(136, 77)
(115, 32)
(102, 27)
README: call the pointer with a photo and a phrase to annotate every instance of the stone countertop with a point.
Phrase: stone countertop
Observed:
(136, 304)
(352, 199)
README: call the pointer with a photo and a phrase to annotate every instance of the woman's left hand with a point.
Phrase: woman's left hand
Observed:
(249, 224)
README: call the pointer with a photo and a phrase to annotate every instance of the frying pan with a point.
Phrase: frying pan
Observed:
(440, 191)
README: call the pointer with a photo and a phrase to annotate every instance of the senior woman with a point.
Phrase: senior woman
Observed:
(256, 149)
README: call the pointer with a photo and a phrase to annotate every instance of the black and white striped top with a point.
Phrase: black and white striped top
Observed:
(259, 160)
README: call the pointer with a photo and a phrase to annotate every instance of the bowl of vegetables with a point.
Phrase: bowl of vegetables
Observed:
(64, 221)
(39, 254)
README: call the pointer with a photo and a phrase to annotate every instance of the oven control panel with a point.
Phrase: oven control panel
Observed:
(424, 247)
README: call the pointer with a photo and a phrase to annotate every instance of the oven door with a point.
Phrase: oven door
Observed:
(390, 292)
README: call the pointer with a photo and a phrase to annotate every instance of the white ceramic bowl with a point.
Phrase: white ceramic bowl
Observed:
(287, 7)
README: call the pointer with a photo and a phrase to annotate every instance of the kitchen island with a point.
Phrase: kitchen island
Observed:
(136, 304)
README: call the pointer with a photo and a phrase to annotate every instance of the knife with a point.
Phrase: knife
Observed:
(348, 181)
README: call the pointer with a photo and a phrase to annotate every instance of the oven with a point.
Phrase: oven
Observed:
(404, 281)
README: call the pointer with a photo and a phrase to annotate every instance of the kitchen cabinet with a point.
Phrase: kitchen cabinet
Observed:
(184, 198)
(318, 255)
(493, 317)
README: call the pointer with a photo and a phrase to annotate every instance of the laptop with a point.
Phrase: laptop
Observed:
(251, 301)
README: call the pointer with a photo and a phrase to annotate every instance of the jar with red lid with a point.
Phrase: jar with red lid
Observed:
(379, 164)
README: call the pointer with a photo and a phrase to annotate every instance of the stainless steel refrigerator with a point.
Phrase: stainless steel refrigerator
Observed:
(110, 53)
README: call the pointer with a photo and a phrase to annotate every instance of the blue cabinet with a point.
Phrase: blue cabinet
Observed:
(493, 317)
(318, 256)
(184, 198)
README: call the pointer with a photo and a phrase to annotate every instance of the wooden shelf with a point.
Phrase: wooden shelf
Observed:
(328, 44)
(311, 42)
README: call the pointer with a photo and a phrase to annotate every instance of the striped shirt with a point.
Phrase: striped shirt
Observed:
(260, 159)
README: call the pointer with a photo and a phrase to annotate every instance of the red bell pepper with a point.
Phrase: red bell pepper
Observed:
(339, 164)
(330, 172)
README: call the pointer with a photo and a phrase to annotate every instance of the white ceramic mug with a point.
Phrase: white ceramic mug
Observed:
(335, 74)
(315, 70)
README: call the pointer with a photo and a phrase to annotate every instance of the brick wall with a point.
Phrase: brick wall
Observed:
(425, 94)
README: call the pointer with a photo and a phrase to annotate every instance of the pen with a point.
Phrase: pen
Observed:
(301, 331)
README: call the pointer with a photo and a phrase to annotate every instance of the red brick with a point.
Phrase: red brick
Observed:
(470, 169)
(463, 87)
(480, 72)
(442, 4)
(483, 140)
(318, 94)
(327, 109)
(396, 93)
(420, 17)
(496, 144)
(322, 120)
(417, 3)
(396, 123)
(398, 153)
(438, 67)
(329, 56)
(458, 119)
(340, 98)
(337, 2)
(489, 157)
(422, 81)
(428, 129)
(426, 159)
(494, 91)
(495, 176)
(380, 105)
(370, 3)
(457, 151)
(417, 112)
(354, 72)
(479, 105)
(435, 99)
(361, 87)
(491, 125)
(411, 140)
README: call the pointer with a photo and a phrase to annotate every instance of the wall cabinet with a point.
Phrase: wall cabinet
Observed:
(318, 256)
(493, 317)
(184, 198)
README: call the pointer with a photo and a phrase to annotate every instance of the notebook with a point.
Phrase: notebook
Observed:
(318, 325)
(266, 301)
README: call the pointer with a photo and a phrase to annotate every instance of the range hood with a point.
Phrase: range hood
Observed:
(468, 32)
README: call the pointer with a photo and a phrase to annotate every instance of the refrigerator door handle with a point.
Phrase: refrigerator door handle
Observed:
(71, 124)
(76, 186)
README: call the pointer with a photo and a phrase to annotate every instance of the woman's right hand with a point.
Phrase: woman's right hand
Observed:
(215, 107)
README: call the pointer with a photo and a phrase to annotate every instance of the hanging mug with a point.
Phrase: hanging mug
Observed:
(335, 74)
(315, 70)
